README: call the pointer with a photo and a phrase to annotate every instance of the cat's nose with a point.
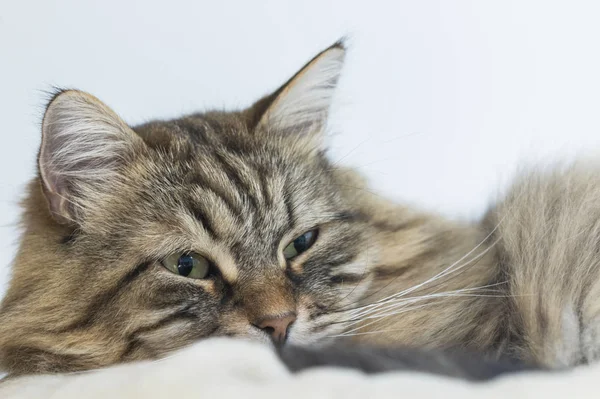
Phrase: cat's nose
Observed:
(277, 326)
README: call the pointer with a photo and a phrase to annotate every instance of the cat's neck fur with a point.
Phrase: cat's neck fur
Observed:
(417, 255)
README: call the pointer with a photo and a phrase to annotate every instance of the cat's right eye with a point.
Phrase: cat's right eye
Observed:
(300, 244)
(188, 264)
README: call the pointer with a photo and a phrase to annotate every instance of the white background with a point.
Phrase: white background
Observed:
(439, 102)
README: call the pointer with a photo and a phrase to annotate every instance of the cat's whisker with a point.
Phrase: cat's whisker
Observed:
(344, 335)
(438, 276)
(409, 301)
(394, 301)
(404, 309)
(350, 332)
(450, 269)
(379, 313)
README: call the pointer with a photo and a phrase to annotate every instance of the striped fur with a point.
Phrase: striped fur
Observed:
(111, 201)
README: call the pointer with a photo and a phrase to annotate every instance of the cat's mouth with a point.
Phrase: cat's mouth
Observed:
(298, 328)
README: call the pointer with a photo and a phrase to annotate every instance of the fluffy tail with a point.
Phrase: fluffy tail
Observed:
(550, 253)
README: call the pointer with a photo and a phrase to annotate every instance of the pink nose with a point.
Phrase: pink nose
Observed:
(277, 326)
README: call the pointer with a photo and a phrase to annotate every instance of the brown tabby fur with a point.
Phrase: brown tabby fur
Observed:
(88, 289)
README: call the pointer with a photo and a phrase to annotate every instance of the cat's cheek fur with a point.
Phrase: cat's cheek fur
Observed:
(313, 326)
(233, 323)
(312, 332)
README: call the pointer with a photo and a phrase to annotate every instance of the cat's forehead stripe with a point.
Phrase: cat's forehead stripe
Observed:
(241, 176)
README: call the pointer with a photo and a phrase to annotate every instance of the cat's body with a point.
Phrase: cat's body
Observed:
(535, 256)
(280, 242)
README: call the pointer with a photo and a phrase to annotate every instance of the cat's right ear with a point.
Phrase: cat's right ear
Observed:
(84, 144)
(299, 109)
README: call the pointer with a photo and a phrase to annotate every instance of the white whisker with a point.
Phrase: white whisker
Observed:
(450, 269)
(348, 333)
(380, 313)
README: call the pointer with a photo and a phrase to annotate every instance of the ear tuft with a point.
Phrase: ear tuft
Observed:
(303, 102)
(84, 143)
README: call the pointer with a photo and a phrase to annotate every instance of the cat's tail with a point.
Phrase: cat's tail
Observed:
(549, 252)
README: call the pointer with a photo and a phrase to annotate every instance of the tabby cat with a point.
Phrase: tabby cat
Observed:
(141, 240)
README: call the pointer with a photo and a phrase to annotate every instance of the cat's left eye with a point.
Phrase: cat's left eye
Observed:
(300, 244)
(187, 264)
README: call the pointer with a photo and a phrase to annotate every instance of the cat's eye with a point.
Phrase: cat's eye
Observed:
(188, 264)
(300, 244)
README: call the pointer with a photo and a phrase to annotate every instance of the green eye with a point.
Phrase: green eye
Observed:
(189, 265)
(300, 244)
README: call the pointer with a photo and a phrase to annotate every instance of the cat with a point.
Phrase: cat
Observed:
(138, 241)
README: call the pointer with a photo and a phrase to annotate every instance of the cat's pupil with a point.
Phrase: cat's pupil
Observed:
(185, 264)
(301, 243)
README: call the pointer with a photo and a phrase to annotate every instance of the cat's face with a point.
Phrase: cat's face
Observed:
(213, 224)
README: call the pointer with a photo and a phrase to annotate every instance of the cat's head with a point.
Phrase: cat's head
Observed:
(141, 240)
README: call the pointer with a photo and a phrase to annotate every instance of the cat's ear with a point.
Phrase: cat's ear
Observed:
(301, 105)
(84, 144)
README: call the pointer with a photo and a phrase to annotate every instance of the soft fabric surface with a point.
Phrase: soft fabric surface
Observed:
(232, 369)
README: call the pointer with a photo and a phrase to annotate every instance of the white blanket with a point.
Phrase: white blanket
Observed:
(224, 368)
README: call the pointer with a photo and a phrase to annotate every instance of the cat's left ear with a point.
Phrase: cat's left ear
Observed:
(301, 105)
(84, 147)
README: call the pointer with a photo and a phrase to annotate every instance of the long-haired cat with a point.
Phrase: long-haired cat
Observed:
(141, 240)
